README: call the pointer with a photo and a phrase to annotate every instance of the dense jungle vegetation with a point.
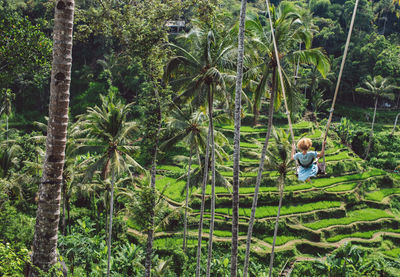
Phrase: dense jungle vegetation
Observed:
(153, 161)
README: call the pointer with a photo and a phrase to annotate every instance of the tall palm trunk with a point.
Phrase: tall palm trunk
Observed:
(187, 201)
(210, 238)
(236, 138)
(395, 123)
(371, 135)
(48, 212)
(258, 181)
(281, 189)
(150, 232)
(203, 198)
(110, 224)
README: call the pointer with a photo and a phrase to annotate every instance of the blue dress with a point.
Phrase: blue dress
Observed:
(306, 172)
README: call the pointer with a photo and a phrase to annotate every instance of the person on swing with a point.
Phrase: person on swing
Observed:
(307, 168)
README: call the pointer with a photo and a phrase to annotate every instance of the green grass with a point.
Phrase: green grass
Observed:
(324, 182)
(175, 243)
(353, 216)
(249, 190)
(249, 145)
(243, 129)
(380, 194)
(364, 235)
(279, 240)
(220, 233)
(173, 188)
(342, 187)
(338, 157)
(267, 211)
(395, 253)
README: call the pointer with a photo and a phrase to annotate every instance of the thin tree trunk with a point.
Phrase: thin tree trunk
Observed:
(150, 232)
(63, 211)
(203, 198)
(110, 224)
(398, 102)
(395, 123)
(48, 213)
(68, 217)
(186, 202)
(371, 135)
(236, 139)
(258, 182)
(210, 238)
(281, 189)
(7, 127)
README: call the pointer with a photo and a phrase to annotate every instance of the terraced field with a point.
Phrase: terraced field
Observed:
(350, 203)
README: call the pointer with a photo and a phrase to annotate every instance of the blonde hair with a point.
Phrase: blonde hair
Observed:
(304, 144)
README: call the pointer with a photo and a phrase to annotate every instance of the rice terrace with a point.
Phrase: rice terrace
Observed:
(200, 138)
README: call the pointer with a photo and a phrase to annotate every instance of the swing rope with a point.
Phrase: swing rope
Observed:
(328, 124)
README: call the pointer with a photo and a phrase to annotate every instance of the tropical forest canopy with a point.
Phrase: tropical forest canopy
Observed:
(149, 167)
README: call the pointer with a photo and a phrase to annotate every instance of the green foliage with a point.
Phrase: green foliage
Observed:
(346, 130)
(12, 261)
(23, 47)
(15, 227)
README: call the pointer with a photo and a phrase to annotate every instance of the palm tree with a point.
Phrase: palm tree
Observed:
(188, 126)
(395, 123)
(279, 159)
(289, 32)
(378, 86)
(197, 73)
(291, 28)
(236, 150)
(110, 133)
(6, 99)
(48, 213)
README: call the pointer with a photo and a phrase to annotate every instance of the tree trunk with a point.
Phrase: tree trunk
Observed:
(48, 213)
(7, 127)
(395, 123)
(186, 202)
(203, 199)
(210, 238)
(64, 208)
(236, 146)
(256, 114)
(371, 135)
(281, 189)
(150, 232)
(110, 224)
(258, 182)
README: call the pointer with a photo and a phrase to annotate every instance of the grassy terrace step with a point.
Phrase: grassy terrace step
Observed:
(394, 253)
(281, 240)
(248, 129)
(380, 194)
(175, 243)
(171, 188)
(364, 235)
(249, 190)
(353, 216)
(324, 182)
(269, 211)
(342, 187)
(219, 233)
(316, 183)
